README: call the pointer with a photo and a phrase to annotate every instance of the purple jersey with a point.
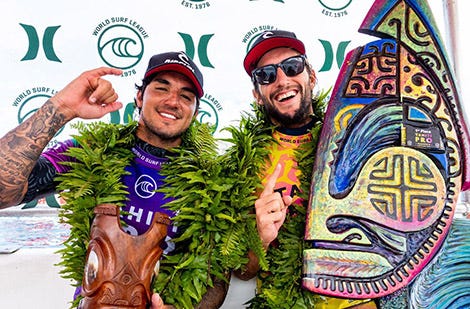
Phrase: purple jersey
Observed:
(142, 182)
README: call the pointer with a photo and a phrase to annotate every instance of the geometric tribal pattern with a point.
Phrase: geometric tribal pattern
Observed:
(391, 160)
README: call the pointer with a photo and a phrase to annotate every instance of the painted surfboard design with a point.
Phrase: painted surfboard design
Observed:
(391, 160)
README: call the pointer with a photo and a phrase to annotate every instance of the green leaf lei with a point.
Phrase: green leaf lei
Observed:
(207, 189)
(214, 198)
(94, 178)
(280, 285)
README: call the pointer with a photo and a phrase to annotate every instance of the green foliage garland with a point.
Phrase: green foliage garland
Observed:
(94, 178)
(206, 189)
(213, 195)
(281, 285)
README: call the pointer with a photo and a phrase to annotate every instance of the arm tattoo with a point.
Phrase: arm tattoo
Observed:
(21, 148)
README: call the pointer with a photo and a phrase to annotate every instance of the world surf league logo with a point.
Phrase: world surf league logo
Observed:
(121, 43)
(335, 8)
(145, 187)
(254, 33)
(209, 111)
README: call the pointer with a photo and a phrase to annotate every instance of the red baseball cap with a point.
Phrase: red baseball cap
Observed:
(178, 62)
(268, 40)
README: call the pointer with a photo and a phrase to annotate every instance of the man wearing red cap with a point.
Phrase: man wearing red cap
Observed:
(167, 101)
(284, 84)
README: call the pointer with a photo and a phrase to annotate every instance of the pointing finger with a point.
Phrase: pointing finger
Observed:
(106, 71)
(269, 187)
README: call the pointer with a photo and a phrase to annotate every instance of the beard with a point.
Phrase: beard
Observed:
(166, 136)
(163, 135)
(300, 116)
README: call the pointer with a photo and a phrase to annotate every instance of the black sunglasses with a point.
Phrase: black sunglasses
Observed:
(291, 67)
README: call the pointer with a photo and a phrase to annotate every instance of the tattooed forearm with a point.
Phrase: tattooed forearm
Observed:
(21, 148)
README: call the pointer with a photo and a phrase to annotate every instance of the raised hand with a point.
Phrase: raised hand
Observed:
(271, 209)
(88, 96)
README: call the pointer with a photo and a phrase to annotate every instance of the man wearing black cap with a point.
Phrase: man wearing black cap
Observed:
(284, 83)
(167, 101)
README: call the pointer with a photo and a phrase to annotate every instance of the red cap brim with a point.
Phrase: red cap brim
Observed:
(180, 69)
(257, 51)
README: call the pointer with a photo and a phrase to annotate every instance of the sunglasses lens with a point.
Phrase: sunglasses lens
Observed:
(265, 75)
(293, 66)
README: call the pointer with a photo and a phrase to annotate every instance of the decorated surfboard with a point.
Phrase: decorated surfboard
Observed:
(445, 282)
(391, 160)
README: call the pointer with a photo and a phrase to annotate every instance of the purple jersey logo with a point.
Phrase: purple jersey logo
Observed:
(145, 186)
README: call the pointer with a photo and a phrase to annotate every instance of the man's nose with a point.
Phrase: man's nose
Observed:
(280, 75)
(173, 98)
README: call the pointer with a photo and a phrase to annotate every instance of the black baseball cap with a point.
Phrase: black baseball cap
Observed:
(178, 62)
(268, 40)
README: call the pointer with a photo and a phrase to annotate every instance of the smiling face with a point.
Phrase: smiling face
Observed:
(168, 105)
(288, 100)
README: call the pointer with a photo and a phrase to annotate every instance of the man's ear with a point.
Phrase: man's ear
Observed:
(313, 79)
(257, 97)
(139, 99)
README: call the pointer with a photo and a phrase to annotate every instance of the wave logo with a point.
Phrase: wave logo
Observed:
(145, 186)
(120, 46)
(208, 111)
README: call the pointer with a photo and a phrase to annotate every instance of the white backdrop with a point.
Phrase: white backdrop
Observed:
(47, 43)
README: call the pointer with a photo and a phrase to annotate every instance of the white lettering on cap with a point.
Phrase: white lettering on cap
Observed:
(183, 61)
